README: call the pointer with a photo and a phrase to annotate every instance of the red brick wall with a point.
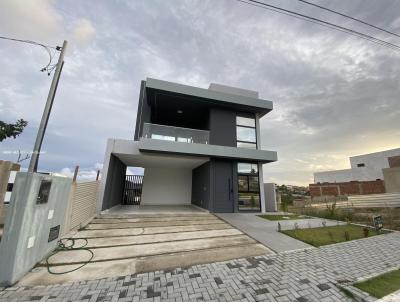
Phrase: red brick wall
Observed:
(315, 190)
(347, 188)
(373, 187)
(394, 161)
(330, 191)
(350, 188)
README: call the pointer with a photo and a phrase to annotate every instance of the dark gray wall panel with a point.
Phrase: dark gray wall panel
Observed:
(115, 183)
(201, 191)
(222, 127)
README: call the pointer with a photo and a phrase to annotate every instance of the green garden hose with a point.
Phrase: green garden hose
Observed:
(62, 247)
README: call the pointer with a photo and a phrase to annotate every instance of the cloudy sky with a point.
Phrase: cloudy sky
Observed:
(334, 95)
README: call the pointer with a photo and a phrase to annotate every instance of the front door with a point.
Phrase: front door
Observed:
(223, 187)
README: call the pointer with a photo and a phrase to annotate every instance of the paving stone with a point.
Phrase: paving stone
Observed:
(302, 276)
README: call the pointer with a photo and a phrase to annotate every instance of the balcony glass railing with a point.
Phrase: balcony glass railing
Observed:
(175, 134)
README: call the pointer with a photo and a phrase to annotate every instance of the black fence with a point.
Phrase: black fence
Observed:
(133, 189)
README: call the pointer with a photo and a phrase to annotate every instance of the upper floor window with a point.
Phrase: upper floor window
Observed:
(246, 132)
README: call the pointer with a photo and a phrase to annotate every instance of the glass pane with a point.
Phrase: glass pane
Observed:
(253, 184)
(245, 121)
(246, 134)
(184, 140)
(246, 145)
(163, 137)
(249, 202)
(247, 168)
(243, 183)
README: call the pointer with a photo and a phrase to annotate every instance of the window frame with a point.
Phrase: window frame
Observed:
(255, 143)
(248, 176)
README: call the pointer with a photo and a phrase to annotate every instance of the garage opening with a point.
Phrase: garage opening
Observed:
(133, 184)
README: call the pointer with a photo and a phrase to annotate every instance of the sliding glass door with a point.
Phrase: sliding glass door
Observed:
(248, 187)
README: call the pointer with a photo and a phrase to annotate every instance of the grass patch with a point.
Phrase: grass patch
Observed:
(283, 217)
(382, 285)
(332, 234)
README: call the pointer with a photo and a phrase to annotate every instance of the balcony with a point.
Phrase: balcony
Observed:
(175, 134)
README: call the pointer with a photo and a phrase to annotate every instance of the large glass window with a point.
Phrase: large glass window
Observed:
(247, 168)
(245, 121)
(246, 132)
(248, 187)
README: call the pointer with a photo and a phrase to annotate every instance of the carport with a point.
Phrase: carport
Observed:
(167, 181)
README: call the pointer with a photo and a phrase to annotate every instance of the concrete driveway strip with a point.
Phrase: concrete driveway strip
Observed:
(264, 231)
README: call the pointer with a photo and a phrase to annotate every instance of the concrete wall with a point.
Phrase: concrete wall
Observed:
(392, 179)
(114, 182)
(201, 186)
(27, 227)
(167, 186)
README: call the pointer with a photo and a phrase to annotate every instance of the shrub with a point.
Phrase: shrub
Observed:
(366, 232)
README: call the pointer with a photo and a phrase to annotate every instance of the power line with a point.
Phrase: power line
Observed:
(321, 23)
(311, 21)
(49, 67)
(350, 17)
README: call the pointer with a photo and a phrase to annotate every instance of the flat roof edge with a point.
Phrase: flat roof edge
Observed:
(209, 94)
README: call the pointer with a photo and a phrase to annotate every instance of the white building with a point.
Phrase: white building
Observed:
(363, 168)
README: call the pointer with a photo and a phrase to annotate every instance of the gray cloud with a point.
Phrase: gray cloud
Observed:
(334, 95)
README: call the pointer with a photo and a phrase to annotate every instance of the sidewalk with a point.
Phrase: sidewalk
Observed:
(265, 231)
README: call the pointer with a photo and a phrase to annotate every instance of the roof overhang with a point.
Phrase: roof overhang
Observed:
(239, 102)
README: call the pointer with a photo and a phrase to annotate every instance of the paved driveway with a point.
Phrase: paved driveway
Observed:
(300, 276)
(129, 244)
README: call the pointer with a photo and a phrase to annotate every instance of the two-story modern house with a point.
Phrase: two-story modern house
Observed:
(197, 146)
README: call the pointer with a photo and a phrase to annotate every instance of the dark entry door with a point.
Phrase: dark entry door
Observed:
(223, 187)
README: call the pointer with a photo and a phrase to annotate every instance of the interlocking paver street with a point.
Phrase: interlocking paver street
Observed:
(306, 275)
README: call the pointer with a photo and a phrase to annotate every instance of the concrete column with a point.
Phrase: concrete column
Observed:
(270, 197)
(261, 183)
(104, 175)
(258, 132)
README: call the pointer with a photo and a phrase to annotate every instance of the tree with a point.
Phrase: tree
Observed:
(11, 130)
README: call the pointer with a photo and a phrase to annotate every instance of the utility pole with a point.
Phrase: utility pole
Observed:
(47, 109)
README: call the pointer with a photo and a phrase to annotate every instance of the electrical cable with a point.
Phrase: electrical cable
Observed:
(62, 247)
(321, 23)
(350, 17)
(49, 67)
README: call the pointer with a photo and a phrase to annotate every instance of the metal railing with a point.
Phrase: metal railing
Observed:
(175, 134)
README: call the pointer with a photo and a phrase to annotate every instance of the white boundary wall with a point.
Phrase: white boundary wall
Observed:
(167, 186)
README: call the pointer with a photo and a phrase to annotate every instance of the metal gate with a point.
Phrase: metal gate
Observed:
(133, 189)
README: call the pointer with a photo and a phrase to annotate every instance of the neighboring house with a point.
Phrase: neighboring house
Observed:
(372, 173)
(197, 146)
(367, 167)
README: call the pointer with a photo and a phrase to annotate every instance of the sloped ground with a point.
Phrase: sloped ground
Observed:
(301, 276)
(130, 244)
